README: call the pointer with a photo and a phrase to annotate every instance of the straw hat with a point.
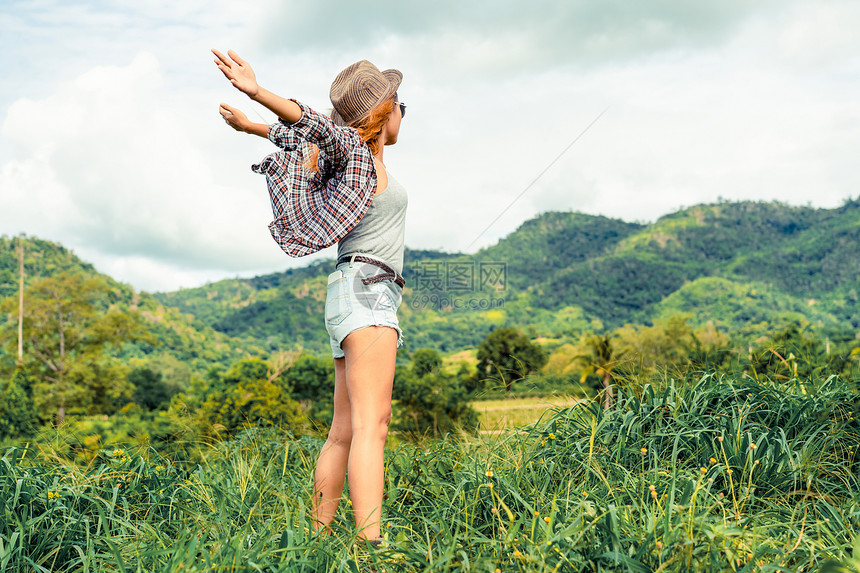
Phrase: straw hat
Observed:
(360, 88)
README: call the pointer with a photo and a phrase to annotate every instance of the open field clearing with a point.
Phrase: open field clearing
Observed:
(500, 415)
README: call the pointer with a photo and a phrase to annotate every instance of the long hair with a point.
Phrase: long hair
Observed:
(369, 129)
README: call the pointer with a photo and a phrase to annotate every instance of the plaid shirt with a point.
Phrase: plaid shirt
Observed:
(315, 210)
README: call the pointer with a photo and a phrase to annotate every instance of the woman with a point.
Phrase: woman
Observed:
(364, 292)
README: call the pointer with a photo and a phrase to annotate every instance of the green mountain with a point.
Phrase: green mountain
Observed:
(746, 267)
(561, 272)
(179, 336)
(277, 310)
(42, 258)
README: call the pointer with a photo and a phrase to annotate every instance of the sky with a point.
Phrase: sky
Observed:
(111, 142)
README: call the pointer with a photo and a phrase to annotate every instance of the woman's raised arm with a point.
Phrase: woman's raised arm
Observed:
(240, 122)
(240, 74)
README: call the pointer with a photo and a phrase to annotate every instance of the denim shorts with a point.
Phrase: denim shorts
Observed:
(351, 305)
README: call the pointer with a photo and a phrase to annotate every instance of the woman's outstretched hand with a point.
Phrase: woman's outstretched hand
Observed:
(238, 71)
(239, 121)
(240, 74)
(234, 117)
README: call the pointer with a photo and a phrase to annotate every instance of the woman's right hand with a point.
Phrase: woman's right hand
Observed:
(238, 71)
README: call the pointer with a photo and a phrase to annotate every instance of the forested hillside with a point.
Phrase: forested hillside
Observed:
(800, 252)
(567, 272)
(566, 303)
(176, 336)
(745, 267)
(43, 258)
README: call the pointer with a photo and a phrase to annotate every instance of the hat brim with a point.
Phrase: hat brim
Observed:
(337, 118)
(394, 78)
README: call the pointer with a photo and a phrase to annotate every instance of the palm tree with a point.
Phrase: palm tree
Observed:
(602, 361)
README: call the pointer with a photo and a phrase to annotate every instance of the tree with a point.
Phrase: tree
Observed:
(431, 400)
(790, 353)
(69, 326)
(150, 391)
(247, 395)
(669, 342)
(17, 415)
(509, 354)
(310, 380)
(425, 361)
(601, 361)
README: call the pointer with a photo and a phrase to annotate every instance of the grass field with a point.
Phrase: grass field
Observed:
(708, 474)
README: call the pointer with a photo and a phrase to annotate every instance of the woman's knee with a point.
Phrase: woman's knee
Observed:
(340, 434)
(375, 426)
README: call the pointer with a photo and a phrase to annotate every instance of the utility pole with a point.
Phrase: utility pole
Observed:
(21, 300)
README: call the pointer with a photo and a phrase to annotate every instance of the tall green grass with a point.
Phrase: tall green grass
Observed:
(704, 474)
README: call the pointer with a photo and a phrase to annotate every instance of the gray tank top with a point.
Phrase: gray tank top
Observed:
(380, 233)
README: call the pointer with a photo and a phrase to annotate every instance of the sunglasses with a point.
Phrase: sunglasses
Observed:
(402, 109)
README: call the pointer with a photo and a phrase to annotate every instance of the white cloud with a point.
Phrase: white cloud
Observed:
(105, 164)
(537, 35)
(128, 164)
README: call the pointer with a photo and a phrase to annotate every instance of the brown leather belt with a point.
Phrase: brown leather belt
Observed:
(388, 274)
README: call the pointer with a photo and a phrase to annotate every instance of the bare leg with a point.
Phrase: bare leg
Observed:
(332, 461)
(370, 357)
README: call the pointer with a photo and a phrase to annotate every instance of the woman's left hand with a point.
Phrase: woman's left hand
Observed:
(238, 71)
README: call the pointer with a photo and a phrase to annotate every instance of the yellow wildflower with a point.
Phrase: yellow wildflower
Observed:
(644, 451)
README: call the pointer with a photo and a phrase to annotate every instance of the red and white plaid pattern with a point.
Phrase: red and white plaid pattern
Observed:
(315, 210)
